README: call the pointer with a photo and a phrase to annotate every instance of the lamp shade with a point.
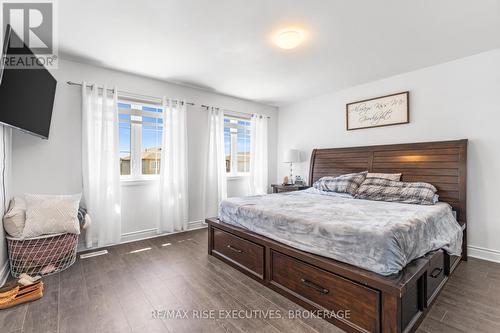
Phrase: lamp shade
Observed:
(291, 156)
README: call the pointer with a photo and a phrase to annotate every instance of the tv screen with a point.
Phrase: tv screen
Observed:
(27, 93)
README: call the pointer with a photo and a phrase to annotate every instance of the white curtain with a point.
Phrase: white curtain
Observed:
(258, 155)
(173, 168)
(101, 165)
(215, 175)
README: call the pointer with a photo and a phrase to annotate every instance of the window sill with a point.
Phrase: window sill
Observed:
(139, 181)
(237, 177)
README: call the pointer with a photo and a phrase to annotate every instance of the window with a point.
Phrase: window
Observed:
(237, 145)
(140, 132)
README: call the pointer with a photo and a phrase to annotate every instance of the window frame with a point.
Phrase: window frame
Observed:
(234, 173)
(136, 128)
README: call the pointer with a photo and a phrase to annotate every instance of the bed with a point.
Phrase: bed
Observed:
(382, 237)
(295, 243)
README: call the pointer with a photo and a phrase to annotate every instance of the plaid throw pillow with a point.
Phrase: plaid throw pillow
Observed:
(386, 190)
(342, 184)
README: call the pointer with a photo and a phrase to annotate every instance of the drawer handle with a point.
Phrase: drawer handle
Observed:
(314, 286)
(436, 272)
(234, 249)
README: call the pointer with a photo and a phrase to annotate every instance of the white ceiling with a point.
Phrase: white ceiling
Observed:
(224, 45)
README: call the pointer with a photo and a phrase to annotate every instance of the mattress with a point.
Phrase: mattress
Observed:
(382, 237)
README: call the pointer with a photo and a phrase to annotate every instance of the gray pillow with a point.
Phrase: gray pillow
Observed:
(342, 184)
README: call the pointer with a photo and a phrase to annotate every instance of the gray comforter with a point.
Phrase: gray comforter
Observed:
(382, 237)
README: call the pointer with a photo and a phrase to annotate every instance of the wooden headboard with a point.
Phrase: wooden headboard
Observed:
(443, 164)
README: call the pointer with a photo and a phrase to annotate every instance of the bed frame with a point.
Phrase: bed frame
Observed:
(352, 298)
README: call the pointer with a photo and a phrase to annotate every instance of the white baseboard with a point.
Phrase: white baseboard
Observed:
(193, 225)
(146, 234)
(482, 253)
(4, 273)
(139, 234)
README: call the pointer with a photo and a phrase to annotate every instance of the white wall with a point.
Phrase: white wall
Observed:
(5, 141)
(454, 100)
(54, 165)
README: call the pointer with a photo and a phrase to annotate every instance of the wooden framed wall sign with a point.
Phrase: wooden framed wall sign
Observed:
(380, 111)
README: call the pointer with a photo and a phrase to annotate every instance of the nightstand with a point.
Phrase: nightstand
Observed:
(280, 188)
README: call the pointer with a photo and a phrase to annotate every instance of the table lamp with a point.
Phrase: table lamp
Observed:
(291, 156)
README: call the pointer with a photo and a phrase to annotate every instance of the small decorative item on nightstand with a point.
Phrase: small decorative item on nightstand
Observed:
(279, 188)
(299, 181)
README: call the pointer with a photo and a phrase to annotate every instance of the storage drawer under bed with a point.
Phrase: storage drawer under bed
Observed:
(243, 253)
(435, 274)
(327, 291)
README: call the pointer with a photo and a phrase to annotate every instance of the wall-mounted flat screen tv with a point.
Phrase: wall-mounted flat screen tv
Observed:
(27, 93)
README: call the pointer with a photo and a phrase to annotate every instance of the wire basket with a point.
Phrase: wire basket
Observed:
(42, 255)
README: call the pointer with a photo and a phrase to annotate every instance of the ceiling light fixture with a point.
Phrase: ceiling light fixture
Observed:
(289, 38)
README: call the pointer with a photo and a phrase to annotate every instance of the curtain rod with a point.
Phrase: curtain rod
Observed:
(126, 93)
(139, 96)
(231, 111)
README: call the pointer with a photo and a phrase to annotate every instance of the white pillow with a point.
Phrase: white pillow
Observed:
(51, 214)
(13, 221)
(396, 177)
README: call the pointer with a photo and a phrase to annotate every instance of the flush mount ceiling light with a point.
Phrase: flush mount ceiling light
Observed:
(289, 38)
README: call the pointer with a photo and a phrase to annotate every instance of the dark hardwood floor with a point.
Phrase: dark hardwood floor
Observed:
(118, 292)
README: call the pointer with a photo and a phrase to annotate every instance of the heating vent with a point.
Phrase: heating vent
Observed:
(93, 254)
